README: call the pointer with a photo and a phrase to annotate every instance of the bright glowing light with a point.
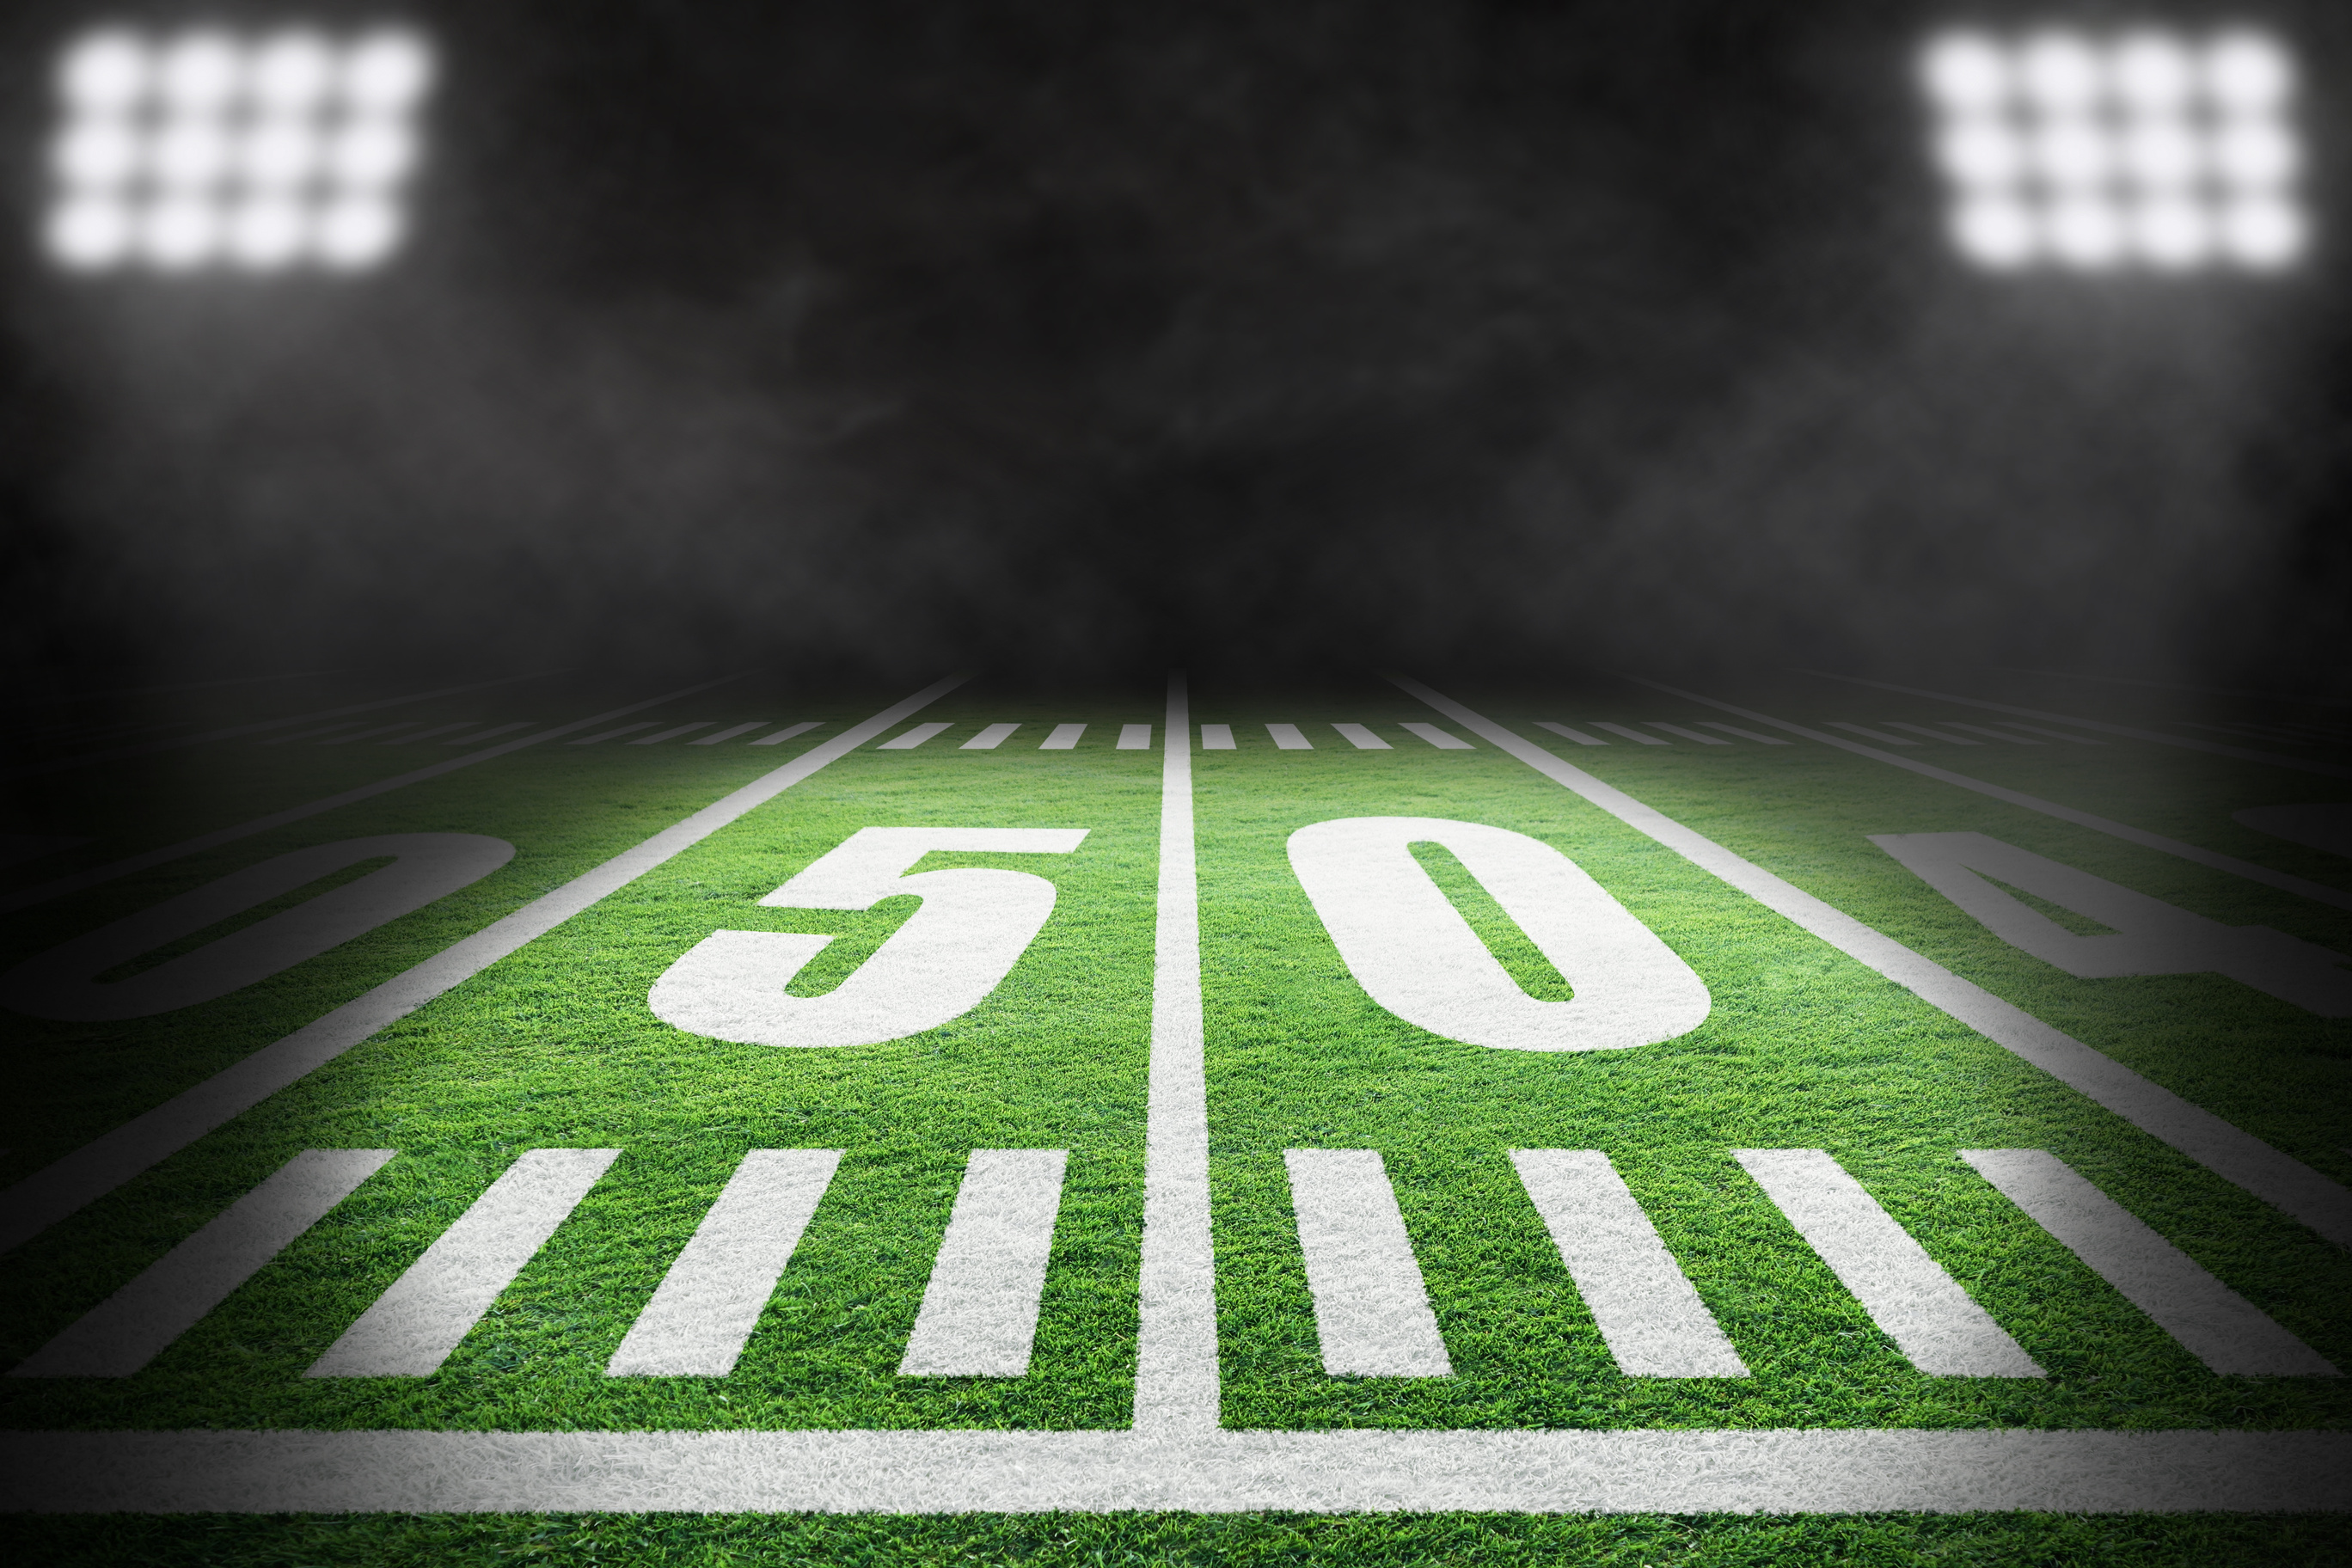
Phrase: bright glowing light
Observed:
(206, 148)
(1968, 72)
(105, 73)
(1996, 232)
(2093, 151)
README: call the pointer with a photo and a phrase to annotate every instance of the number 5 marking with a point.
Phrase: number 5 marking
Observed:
(972, 928)
(1414, 954)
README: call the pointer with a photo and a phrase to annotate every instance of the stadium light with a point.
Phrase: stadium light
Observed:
(2141, 150)
(208, 151)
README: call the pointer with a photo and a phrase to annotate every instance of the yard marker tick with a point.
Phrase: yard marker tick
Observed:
(1361, 738)
(1372, 1310)
(1064, 738)
(1685, 734)
(1760, 740)
(787, 733)
(729, 733)
(1634, 735)
(1286, 738)
(979, 1317)
(1579, 736)
(1651, 1319)
(673, 733)
(600, 738)
(706, 1307)
(912, 738)
(1907, 1293)
(1437, 737)
(413, 1327)
(988, 739)
(1135, 737)
(138, 1322)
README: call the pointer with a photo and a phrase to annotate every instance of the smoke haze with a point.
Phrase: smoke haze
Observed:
(1067, 337)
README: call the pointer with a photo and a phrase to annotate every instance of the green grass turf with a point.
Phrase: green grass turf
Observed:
(554, 1046)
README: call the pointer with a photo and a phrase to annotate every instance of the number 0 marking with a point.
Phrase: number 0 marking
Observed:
(1414, 954)
(972, 928)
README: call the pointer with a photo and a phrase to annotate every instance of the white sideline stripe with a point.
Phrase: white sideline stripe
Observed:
(99, 1166)
(1931, 734)
(25, 897)
(988, 739)
(1650, 1317)
(1440, 738)
(1996, 734)
(1135, 737)
(413, 1327)
(612, 734)
(1361, 737)
(1685, 734)
(2316, 891)
(730, 733)
(1630, 734)
(1868, 734)
(2214, 1324)
(1579, 736)
(979, 1317)
(912, 738)
(1064, 738)
(433, 734)
(1217, 737)
(2054, 734)
(704, 1310)
(1372, 1310)
(1757, 1472)
(2228, 1152)
(1176, 1339)
(1760, 740)
(1907, 1293)
(2333, 770)
(481, 735)
(371, 734)
(138, 1322)
(671, 734)
(1286, 738)
(234, 731)
(788, 731)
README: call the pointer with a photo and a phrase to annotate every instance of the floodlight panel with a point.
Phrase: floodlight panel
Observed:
(2097, 152)
(208, 148)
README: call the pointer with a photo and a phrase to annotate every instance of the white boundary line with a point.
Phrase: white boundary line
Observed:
(28, 896)
(89, 758)
(1776, 1471)
(2285, 881)
(2333, 770)
(98, 1167)
(1176, 1461)
(2229, 1151)
(1176, 1349)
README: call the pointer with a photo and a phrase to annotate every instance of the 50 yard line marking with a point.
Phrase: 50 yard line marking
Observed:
(2226, 1150)
(98, 1167)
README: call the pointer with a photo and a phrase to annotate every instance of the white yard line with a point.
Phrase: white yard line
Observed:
(2304, 765)
(1176, 1349)
(1651, 1319)
(138, 1322)
(2316, 891)
(2229, 1151)
(234, 731)
(1371, 1309)
(1907, 1293)
(25, 897)
(978, 1316)
(412, 1327)
(90, 1172)
(1757, 1472)
(704, 1310)
(2214, 1324)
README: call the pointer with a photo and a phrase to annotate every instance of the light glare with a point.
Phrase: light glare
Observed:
(208, 148)
(2093, 151)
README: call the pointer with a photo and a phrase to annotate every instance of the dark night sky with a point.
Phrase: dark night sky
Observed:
(1077, 336)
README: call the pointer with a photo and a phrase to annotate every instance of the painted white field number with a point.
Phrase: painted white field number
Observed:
(1414, 954)
(2146, 935)
(972, 928)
